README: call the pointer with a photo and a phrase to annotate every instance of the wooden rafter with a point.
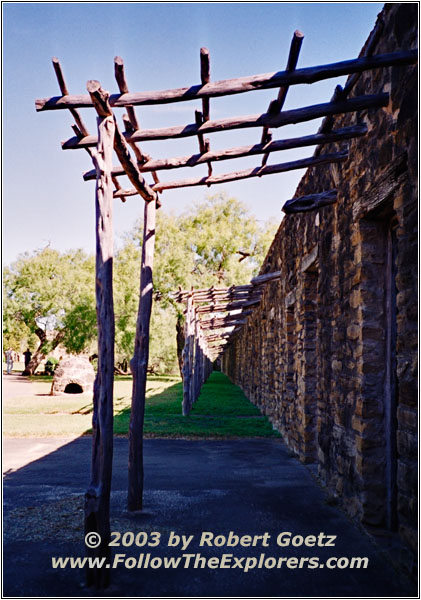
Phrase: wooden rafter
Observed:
(277, 105)
(247, 173)
(299, 115)
(239, 85)
(193, 160)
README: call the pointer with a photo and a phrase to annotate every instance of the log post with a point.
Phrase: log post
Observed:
(97, 497)
(187, 359)
(139, 362)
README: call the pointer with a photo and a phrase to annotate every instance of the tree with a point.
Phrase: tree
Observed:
(49, 296)
(45, 294)
(216, 242)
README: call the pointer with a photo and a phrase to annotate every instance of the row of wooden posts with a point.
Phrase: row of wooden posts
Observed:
(212, 317)
(197, 358)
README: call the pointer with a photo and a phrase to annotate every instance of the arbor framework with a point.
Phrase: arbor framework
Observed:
(213, 315)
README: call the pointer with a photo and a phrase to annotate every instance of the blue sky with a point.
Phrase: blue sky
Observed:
(44, 197)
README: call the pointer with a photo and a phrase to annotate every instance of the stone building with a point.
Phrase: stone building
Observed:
(330, 354)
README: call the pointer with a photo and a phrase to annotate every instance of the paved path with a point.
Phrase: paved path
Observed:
(250, 487)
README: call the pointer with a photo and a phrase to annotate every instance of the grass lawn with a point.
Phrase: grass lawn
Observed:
(221, 411)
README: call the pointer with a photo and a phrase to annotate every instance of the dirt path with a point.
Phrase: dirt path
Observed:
(20, 452)
(16, 385)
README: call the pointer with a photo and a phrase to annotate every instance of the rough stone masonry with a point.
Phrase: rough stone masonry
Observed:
(330, 356)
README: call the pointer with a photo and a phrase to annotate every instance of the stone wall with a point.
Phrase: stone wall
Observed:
(330, 355)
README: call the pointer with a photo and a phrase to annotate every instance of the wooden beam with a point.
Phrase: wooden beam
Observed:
(248, 173)
(217, 323)
(122, 86)
(64, 90)
(261, 279)
(139, 362)
(238, 292)
(101, 103)
(345, 133)
(226, 306)
(239, 85)
(277, 106)
(205, 78)
(311, 202)
(97, 497)
(131, 122)
(228, 317)
(288, 117)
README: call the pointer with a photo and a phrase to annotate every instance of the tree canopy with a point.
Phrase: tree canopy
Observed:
(49, 296)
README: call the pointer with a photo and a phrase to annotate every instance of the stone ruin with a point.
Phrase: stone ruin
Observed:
(74, 375)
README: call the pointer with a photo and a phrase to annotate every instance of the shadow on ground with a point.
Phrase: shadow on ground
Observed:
(249, 486)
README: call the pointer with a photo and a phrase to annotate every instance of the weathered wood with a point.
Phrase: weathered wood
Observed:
(199, 120)
(139, 362)
(260, 279)
(287, 117)
(64, 90)
(254, 172)
(223, 324)
(215, 293)
(131, 124)
(186, 358)
(100, 99)
(294, 53)
(97, 497)
(122, 86)
(205, 78)
(311, 202)
(226, 306)
(227, 318)
(239, 85)
(345, 133)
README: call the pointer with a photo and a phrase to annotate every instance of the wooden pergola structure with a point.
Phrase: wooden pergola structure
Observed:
(212, 317)
(134, 163)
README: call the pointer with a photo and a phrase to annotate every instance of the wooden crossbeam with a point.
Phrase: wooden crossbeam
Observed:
(218, 294)
(223, 325)
(260, 279)
(311, 202)
(345, 133)
(278, 104)
(227, 306)
(247, 173)
(101, 103)
(299, 115)
(236, 86)
(228, 317)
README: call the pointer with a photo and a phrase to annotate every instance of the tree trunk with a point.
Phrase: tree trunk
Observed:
(39, 353)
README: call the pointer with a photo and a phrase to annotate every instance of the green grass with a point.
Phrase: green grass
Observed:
(222, 410)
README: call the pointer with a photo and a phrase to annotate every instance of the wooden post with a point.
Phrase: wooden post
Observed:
(139, 362)
(187, 359)
(97, 497)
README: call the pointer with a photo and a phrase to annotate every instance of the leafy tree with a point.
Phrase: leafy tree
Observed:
(45, 294)
(216, 242)
(49, 296)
